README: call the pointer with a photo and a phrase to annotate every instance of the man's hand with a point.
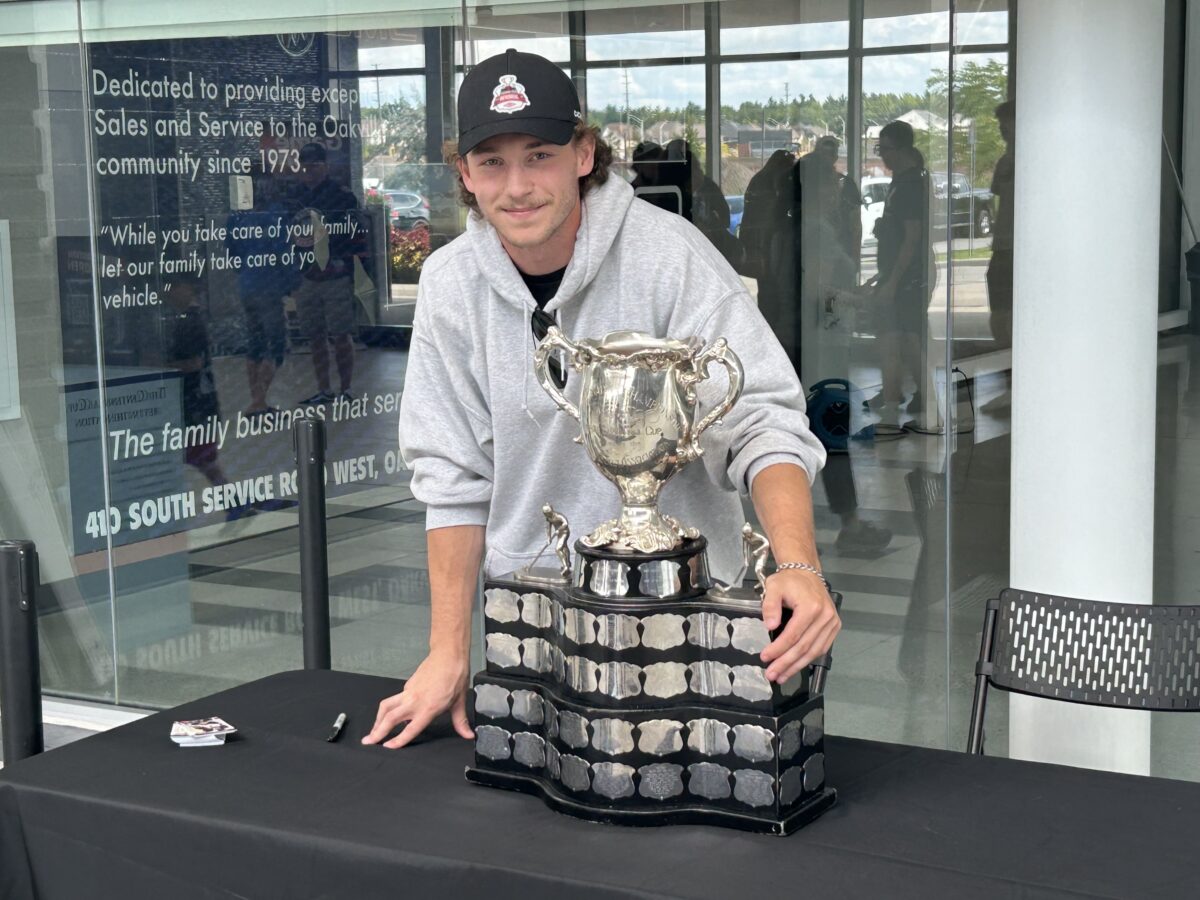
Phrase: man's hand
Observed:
(439, 684)
(810, 632)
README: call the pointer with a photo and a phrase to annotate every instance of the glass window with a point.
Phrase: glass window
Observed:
(392, 48)
(781, 26)
(899, 23)
(987, 24)
(644, 32)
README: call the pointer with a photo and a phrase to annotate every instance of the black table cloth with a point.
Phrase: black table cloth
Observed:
(280, 813)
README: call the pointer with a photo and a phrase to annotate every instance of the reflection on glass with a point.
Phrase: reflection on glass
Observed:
(645, 32)
(782, 26)
(898, 23)
(553, 47)
(392, 50)
(982, 26)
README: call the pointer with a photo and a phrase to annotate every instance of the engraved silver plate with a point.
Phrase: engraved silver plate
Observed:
(708, 780)
(551, 719)
(710, 678)
(553, 762)
(504, 650)
(610, 578)
(620, 680)
(659, 578)
(537, 654)
(814, 772)
(558, 663)
(617, 631)
(612, 780)
(814, 727)
(750, 635)
(612, 736)
(529, 749)
(583, 675)
(501, 605)
(579, 625)
(557, 620)
(527, 707)
(708, 736)
(668, 679)
(491, 700)
(708, 630)
(576, 774)
(658, 737)
(572, 729)
(791, 785)
(754, 788)
(535, 610)
(753, 742)
(663, 631)
(658, 781)
(492, 741)
(789, 740)
(750, 683)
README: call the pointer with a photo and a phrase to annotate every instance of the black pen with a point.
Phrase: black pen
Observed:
(337, 727)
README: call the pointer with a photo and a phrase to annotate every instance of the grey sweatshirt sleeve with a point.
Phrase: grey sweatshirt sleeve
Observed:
(445, 438)
(768, 424)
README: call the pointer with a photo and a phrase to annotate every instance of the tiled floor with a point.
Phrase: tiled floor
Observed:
(903, 666)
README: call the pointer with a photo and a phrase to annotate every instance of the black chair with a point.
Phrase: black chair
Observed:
(1122, 655)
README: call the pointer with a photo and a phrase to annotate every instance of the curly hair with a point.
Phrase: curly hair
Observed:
(601, 162)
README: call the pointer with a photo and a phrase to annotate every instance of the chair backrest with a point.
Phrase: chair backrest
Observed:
(1106, 654)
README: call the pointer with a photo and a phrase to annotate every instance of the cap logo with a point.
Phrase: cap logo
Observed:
(509, 95)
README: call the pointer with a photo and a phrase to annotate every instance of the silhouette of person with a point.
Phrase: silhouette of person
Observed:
(325, 302)
(262, 287)
(906, 268)
(188, 351)
(830, 225)
(767, 210)
(1000, 267)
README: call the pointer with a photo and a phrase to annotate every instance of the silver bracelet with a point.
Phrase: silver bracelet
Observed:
(803, 567)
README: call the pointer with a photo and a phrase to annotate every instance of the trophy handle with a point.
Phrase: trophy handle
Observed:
(718, 352)
(541, 358)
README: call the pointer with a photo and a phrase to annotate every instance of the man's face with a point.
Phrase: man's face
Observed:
(313, 172)
(889, 153)
(526, 187)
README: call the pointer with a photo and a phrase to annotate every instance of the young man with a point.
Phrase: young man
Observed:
(553, 236)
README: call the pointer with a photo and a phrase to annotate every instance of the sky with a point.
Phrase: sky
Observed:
(675, 86)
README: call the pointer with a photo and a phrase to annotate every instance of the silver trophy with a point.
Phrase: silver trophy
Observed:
(637, 418)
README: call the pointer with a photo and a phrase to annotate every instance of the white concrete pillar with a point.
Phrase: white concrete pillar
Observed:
(1088, 160)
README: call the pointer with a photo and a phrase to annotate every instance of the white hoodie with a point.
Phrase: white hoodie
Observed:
(486, 444)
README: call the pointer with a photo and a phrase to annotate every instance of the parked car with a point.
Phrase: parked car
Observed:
(970, 207)
(737, 205)
(874, 192)
(409, 210)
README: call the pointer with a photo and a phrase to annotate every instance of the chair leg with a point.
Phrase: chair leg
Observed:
(983, 670)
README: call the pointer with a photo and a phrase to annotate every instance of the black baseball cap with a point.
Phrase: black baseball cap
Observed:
(516, 93)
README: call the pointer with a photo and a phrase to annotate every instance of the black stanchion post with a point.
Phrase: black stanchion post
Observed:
(309, 441)
(20, 675)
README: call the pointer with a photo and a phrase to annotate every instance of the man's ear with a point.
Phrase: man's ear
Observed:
(464, 173)
(585, 155)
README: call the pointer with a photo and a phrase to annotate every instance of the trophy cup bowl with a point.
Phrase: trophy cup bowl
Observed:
(638, 422)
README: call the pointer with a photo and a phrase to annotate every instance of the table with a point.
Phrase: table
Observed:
(280, 813)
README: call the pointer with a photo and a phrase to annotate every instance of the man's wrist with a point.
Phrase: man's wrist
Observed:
(802, 567)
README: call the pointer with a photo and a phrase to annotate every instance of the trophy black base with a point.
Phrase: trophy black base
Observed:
(637, 695)
(682, 815)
